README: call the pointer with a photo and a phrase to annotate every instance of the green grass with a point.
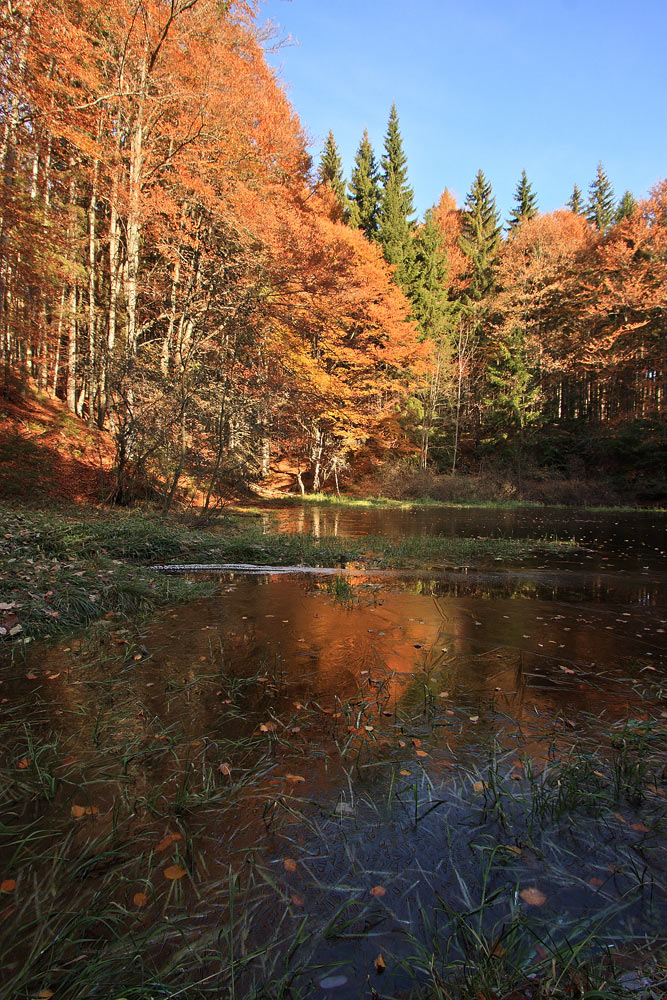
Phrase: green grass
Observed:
(344, 500)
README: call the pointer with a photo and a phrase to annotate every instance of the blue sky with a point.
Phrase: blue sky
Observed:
(552, 86)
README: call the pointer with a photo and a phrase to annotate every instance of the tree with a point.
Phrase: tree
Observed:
(626, 207)
(365, 190)
(331, 171)
(576, 202)
(526, 203)
(480, 237)
(600, 211)
(396, 208)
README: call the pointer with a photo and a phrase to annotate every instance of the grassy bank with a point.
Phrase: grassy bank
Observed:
(345, 500)
(60, 572)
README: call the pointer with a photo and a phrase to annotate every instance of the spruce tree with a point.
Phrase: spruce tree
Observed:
(428, 289)
(480, 236)
(601, 210)
(396, 204)
(526, 203)
(626, 207)
(364, 190)
(576, 202)
(331, 171)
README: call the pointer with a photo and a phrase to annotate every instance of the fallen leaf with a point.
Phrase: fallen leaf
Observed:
(513, 849)
(78, 812)
(378, 890)
(168, 840)
(23, 764)
(639, 827)
(596, 882)
(404, 772)
(289, 865)
(31, 676)
(480, 786)
(294, 779)
(174, 872)
(8, 885)
(380, 964)
(421, 753)
(297, 899)
(225, 769)
(45, 994)
(416, 742)
(533, 897)
(444, 694)
(267, 727)
(474, 718)
(140, 899)
(620, 818)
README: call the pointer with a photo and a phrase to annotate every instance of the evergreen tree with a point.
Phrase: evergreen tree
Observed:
(526, 203)
(601, 209)
(331, 171)
(576, 202)
(480, 236)
(626, 207)
(428, 289)
(396, 205)
(365, 190)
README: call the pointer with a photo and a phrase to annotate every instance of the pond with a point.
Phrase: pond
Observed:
(329, 785)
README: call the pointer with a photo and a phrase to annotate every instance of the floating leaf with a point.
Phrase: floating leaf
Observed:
(225, 769)
(267, 727)
(297, 899)
(174, 872)
(332, 982)
(596, 882)
(289, 864)
(140, 899)
(380, 964)
(474, 718)
(639, 827)
(8, 885)
(294, 779)
(480, 786)
(378, 890)
(23, 764)
(404, 772)
(513, 849)
(533, 896)
(416, 742)
(421, 753)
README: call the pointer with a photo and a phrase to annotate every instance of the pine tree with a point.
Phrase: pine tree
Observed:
(601, 210)
(480, 236)
(331, 171)
(576, 202)
(626, 207)
(396, 206)
(526, 203)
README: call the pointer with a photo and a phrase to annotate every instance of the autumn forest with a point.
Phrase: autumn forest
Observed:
(178, 272)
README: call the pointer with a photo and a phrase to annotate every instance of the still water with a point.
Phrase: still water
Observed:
(381, 766)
